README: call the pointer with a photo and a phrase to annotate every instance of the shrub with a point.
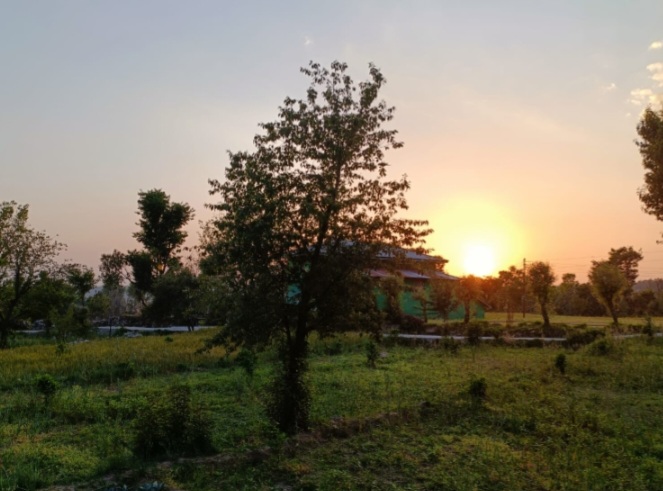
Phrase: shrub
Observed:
(46, 386)
(247, 360)
(604, 347)
(582, 337)
(335, 348)
(411, 324)
(478, 390)
(560, 363)
(649, 329)
(495, 331)
(170, 424)
(372, 354)
(450, 344)
(122, 371)
(473, 333)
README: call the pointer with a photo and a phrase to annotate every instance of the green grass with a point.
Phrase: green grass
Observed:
(599, 426)
(571, 320)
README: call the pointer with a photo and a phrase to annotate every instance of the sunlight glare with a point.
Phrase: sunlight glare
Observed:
(477, 235)
(479, 260)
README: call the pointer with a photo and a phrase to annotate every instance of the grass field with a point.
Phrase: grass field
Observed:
(492, 418)
(571, 320)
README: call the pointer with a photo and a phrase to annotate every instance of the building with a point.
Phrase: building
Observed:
(417, 271)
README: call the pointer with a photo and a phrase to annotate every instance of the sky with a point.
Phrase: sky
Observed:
(518, 117)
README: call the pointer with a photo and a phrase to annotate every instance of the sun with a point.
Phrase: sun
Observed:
(479, 260)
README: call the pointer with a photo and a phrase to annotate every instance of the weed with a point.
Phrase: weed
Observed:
(171, 424)
(474, 332)
(560, 363)
(335, 348)
(478, 390)
(247, 360)
(649, 329)
(451, 345)
(46, 386)
(372, 354)
(604, 347)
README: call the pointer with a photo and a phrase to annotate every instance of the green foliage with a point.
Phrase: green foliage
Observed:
(111, 269)
(372, 354)
(393, 287)
(650, 144)
(443, 299)
(162, 236)
(81, 278)
(649, 329)
(72, 323)
(606, 346)
(560, 363)
(170, 423)
(537, 432)
(474, 331)
(468, 290)
(608, 283)
(541, 280)
(46, 385)
(450, 344)
(161, 228)
(303, 217)
(411, 324)
(25, 254)
(247, 360)
(176, 299)
(582, 336)
(478, 390)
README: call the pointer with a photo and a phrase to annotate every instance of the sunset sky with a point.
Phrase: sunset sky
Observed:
(518, 117)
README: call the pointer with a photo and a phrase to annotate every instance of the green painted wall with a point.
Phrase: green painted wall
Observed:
(411, 307)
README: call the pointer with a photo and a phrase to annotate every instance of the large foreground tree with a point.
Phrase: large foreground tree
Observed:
(25, 254)
(303, 218)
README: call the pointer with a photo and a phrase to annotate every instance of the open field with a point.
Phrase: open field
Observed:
(598, 426)
(571, 320)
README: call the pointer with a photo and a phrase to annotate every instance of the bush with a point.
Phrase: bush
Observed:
(560, 363)
(169, 424)
(247, 360)
(372, 354)
(473, 333)
(411, 324)
(334, 349)
(649, 329)
(451, 345)
(495, 331)
(478, 390)
(604, 347)
(582, 337)
(46, 386)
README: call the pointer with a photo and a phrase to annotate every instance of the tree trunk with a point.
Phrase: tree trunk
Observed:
(290, 397)
(613, 313)
(467, 308)
(544, 314)
(4, 335)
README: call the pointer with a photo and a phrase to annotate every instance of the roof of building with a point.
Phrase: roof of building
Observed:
(411, 274)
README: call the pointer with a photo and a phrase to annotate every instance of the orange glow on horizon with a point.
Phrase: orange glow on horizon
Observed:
(477, 237)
